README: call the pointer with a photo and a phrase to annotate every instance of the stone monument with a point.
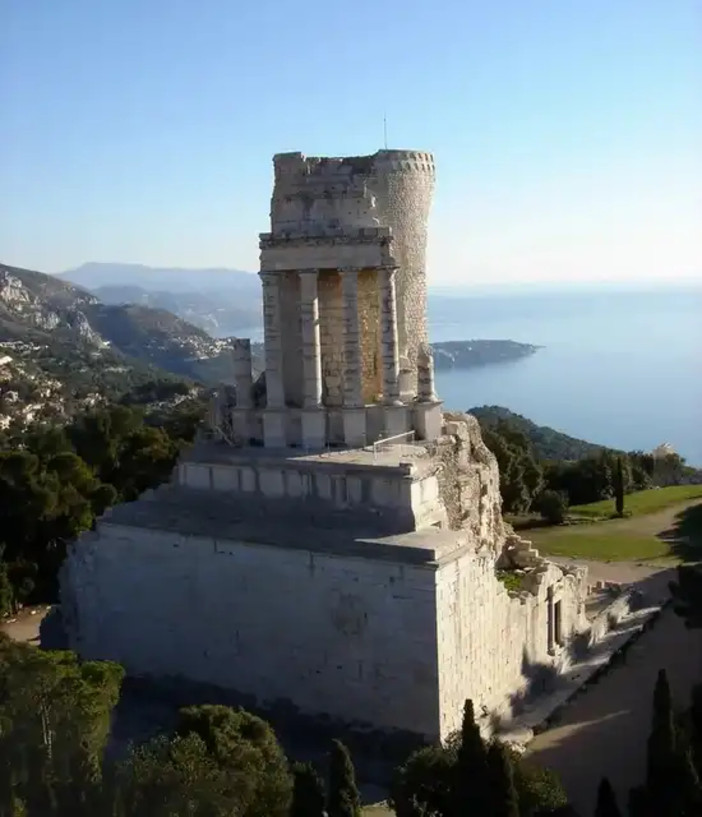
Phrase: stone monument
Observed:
(337, 544)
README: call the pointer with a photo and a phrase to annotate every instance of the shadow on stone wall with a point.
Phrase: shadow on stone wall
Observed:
(148, 707)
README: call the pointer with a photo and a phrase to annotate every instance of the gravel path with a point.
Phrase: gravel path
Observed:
(25, 626)
(604, 730)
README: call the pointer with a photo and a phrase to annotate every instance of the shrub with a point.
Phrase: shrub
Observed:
(552, 505)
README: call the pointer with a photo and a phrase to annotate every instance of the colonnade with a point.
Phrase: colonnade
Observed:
(311, 343)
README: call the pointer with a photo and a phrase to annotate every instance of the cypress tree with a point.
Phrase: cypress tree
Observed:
(696, 727)
(638, 802)
(472, 785)
(661, 757)
(344, 799)
(308, 792)
(6, 590)
(689, 788)
(503, 795)
(619, 488)
(606, 800)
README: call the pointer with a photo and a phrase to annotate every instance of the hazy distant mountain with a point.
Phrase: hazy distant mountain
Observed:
(223, 302)
(49, 313)
(221, 313)
(172, 279)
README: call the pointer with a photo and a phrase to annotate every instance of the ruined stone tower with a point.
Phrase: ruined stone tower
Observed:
(344, 299)
(334, 543)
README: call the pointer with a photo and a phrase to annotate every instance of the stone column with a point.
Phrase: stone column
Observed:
(354, 412)
(425, 374)
(272, 339)
(389, 342)
(428, 419)
(241, 352)
(311, 347)
(353, 394)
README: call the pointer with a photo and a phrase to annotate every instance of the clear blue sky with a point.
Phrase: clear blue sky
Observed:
(567, 133)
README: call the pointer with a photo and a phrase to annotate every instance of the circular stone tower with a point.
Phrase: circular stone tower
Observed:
(403, 183)
(358, 214)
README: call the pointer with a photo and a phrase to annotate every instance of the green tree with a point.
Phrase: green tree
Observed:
(246, 748)
(55, 715)
(521, 476)
(172, 776)
(220, 762)
(619, 488)
(308, 797)
(344, 799)
(672, 783)
(472, 786)
(552, 505)
(661, 752)
(503, 794)
(606, 800)
(7, 595)
(423, 784)
(540, 789)
(687, 595)
(638, 802)
(696, 727)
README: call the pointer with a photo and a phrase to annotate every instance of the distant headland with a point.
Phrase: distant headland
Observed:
(467, 354)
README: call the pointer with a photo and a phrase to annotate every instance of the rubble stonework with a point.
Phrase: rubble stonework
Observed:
(356, 581)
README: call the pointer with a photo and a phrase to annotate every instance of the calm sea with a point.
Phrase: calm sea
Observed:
(622, 369)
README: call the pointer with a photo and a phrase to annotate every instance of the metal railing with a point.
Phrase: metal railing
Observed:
(397, 441)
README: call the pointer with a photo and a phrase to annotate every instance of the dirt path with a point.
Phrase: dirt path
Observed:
(25, 625)
(604, 731)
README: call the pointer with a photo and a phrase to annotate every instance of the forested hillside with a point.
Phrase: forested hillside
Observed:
(543, 470)
(41, 315)
(548, 443)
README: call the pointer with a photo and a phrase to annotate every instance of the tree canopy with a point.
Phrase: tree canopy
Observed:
(55, 481)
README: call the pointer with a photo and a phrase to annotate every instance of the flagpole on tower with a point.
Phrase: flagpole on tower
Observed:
(385, 130)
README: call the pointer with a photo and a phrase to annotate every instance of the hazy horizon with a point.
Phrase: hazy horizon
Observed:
(436, 288)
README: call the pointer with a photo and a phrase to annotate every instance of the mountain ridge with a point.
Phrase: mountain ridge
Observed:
(64, 350)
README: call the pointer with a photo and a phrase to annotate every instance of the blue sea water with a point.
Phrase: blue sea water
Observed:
(622, 369)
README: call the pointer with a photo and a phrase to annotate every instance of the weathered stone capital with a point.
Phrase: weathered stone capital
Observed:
(308, 272)
(268, 277)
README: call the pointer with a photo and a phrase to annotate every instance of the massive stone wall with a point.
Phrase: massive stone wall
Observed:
(348, 637)
(365, 592)
(493, 644)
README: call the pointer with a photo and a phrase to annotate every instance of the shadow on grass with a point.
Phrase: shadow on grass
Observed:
(685, 536)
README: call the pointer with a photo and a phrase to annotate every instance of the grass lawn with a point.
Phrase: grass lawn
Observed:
(673, 533)
(600, 545)
(377, 811)
(641, 502)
